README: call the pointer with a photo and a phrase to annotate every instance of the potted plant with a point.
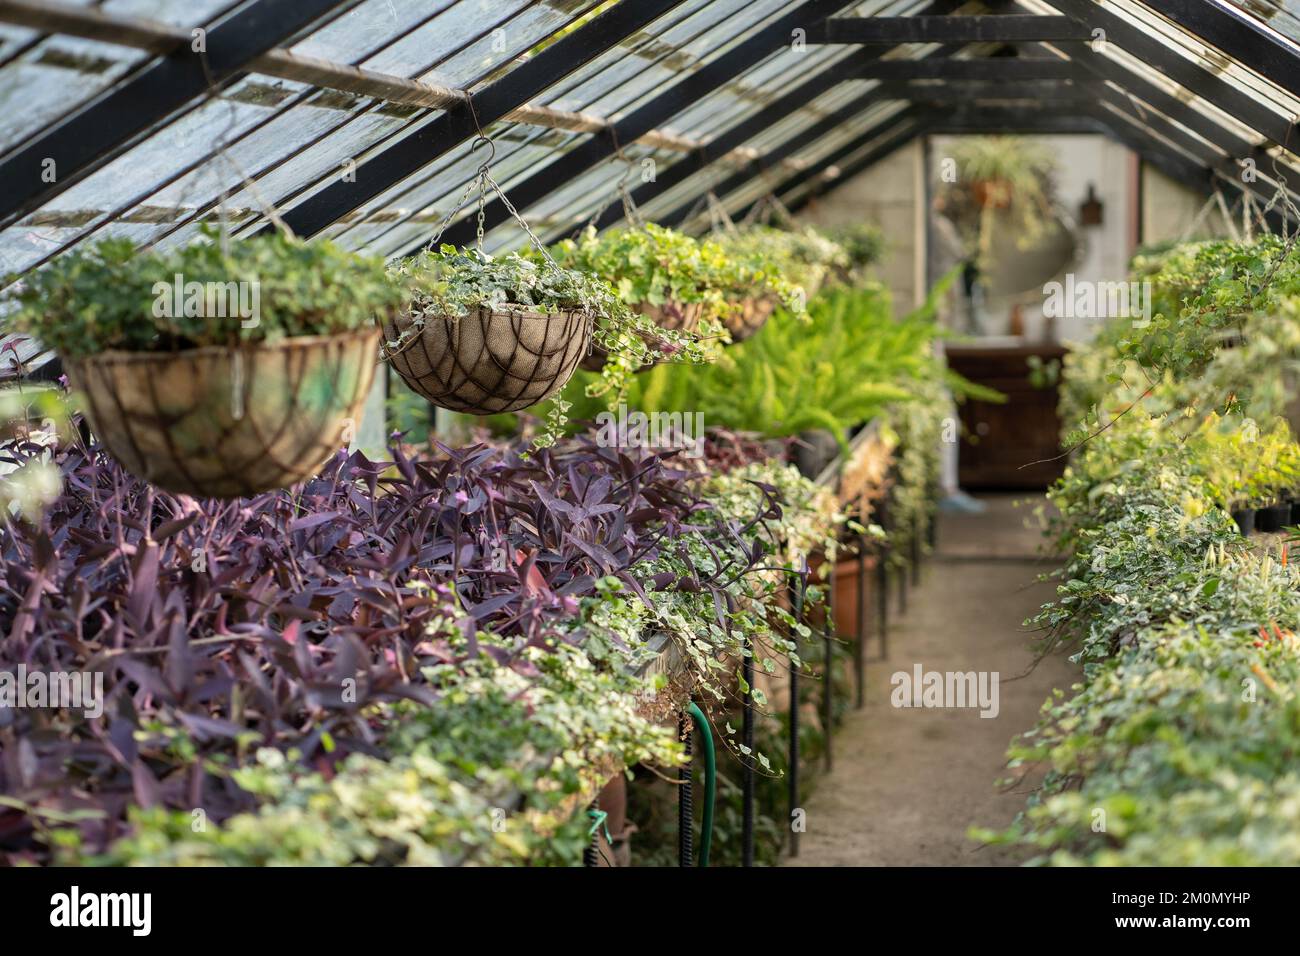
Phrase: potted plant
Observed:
(998, 175)
(484, 334)
(1244, 517)
(657, 272)
(664, 275)
(217, 369)
(863, 246)
(760, 276)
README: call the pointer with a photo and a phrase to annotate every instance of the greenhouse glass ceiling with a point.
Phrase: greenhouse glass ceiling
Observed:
(356, 119)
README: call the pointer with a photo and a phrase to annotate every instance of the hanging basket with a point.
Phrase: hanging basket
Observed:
(750, 315)
(220, 422)
(674, 316)
(814, 284)
(488, 362)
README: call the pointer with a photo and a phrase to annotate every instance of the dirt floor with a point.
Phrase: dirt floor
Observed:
(907, 783)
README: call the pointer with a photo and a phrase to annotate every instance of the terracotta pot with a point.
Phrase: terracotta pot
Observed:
(488, 362)
(991, 193)
(222, 422)
(845, 584)
(612, 799)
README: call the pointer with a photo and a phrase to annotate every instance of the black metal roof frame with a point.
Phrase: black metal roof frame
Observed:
(1197, 88)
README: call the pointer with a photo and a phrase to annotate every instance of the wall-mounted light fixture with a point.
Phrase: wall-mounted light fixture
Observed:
(1090, 209)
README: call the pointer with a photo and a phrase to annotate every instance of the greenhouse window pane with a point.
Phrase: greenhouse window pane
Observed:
(53, 79)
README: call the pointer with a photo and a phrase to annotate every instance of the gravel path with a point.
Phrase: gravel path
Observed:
(907, 783)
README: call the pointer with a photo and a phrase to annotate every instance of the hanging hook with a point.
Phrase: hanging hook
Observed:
(482, 140)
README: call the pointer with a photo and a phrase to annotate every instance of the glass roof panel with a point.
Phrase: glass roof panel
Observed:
(440, 186)
(293, 134)
(1280, 16)
(52, 78)
(292, 139)
(374, 24)
(1200, 52)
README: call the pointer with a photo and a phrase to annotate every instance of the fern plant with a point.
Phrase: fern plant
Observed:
(840, 368)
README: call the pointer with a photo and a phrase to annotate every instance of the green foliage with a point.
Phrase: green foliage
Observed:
(1205, 295)
(998, 173)
(1186, 723)
(1178, 747)
(451, 282)
(1224, 336)
(652, 265)
(494, 737)
(863, 243)
(800, 257)
(111, 295)
(842, 368)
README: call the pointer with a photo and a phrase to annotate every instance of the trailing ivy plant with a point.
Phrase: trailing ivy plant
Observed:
(1184, 727)
(1178, 746)
(450, 282)
(802, 256)
(652, 264)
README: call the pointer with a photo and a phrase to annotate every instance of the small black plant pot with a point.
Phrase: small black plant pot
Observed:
(815, 449)
(1295, 512)
(1272, 518)
(1245, 518)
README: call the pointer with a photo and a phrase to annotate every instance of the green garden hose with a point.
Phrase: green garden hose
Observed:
(705, 734)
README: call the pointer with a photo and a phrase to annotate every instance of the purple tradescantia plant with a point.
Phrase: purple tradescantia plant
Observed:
(219, 624)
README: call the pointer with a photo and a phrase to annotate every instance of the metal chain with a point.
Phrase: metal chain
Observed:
(220, 152)
(630, 210)
(532, 236)
(446, 220)
(482, 206)
(722, 221)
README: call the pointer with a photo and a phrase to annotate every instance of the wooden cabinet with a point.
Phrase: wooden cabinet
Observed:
(999, 442)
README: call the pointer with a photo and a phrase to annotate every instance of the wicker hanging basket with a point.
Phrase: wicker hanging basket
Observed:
(750, 316)
(488, 362)
(674, 316)
(221, 422)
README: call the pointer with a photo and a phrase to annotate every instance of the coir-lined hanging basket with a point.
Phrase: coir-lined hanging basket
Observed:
(488, 361)
(674, 316)
(221, 422)
(748, 316)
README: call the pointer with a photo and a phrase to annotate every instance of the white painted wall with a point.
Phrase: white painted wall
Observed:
(885, 195)
(1103, 251)
(1172, 211)
(891, 195)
